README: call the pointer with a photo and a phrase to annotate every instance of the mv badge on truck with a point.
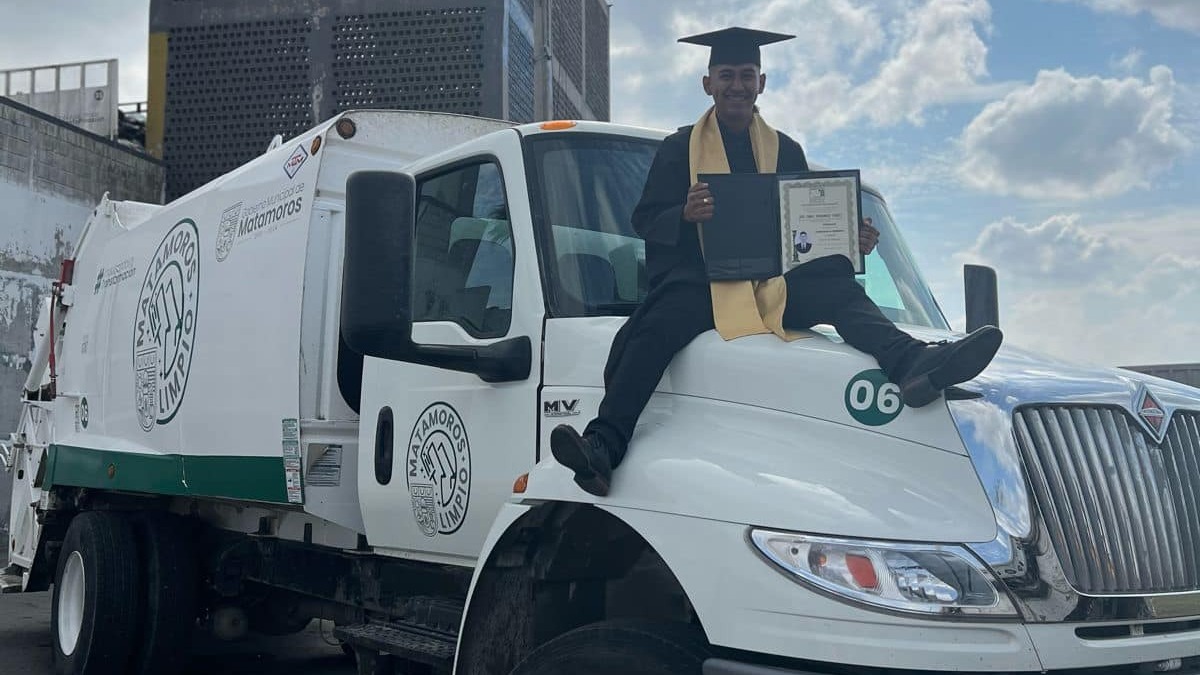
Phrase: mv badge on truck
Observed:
(165, 325)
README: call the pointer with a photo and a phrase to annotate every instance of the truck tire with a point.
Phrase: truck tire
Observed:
(629, 647)
(94, 614)
(168, 593)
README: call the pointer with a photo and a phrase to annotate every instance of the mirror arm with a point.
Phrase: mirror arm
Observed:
(505, 361)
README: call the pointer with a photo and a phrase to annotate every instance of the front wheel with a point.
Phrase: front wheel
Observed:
(628, 647)
(95, 611)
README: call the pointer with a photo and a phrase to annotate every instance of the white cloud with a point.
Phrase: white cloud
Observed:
(1182, 14)
(928, 55)
(1059, 247)
(1091, 292)
(854, 62)
(832, 34)
(1065, 137)
(940, 58)
(1131, 62)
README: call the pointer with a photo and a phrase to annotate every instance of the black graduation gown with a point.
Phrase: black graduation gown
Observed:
(678, 306)
(673, 245)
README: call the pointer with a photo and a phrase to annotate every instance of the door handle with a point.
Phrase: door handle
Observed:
(384, 446)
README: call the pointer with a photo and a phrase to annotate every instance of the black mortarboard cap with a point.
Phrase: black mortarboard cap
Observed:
(732, 46)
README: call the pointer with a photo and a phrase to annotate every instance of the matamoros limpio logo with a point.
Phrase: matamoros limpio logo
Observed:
(240, 222)
(439, 470)
(164, 327)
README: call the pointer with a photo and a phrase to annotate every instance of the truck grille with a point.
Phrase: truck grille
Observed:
(1122, 512)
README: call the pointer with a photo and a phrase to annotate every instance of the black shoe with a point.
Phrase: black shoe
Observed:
(944, 364)
(586, 455)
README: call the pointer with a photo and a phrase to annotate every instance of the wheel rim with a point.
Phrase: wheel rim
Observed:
(70, 603)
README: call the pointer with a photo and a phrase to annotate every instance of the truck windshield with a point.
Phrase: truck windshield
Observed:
(584, 188)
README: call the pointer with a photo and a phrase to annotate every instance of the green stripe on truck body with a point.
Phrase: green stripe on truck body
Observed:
(259, 479)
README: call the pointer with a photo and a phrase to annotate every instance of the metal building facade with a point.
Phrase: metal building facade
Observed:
(1186, 373)
(226, 75)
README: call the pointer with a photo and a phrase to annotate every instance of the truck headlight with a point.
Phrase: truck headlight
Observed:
(928, 579)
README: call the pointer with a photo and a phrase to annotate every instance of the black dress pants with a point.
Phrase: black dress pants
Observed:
(674, 313)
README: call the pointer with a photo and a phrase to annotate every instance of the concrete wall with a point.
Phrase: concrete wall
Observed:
(51, 176)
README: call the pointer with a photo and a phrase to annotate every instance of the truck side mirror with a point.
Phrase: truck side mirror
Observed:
(983, 303)
(381, 209)
(376, 269)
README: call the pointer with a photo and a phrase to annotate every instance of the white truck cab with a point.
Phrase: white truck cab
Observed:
(323, 386)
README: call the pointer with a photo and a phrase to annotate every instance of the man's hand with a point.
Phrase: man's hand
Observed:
(868, 237)
(699, 205)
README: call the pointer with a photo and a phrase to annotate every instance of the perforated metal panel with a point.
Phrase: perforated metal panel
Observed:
(564, 109)
(411, 59)
(596, 47)
(567, 38)
(238, 72)
(232, 87)
(520, 75)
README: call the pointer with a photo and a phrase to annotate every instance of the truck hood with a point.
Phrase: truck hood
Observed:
(811, 376)
(763, 432)
(1019, 377)
(1025, 376)
(759, 432)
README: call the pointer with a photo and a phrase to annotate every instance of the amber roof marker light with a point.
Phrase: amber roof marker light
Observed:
(558, 125)
(346, 127)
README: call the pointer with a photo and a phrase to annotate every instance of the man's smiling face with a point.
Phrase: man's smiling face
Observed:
(734, 89)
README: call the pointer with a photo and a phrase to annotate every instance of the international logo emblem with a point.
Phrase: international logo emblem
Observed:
(1151, 414)
(164, 326)
(439, 470)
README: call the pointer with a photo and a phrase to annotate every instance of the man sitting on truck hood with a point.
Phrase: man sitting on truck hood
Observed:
(732, 137)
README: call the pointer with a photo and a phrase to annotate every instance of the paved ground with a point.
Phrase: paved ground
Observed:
(25, 647)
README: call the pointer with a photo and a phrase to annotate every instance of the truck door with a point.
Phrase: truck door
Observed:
(447, 445)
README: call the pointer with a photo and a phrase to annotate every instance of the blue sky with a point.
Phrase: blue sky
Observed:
(1056, 140)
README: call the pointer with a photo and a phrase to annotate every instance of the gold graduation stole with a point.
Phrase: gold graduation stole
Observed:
(740, 308)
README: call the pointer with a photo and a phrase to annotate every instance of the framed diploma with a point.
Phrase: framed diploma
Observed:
(819, 214)
(765, 225)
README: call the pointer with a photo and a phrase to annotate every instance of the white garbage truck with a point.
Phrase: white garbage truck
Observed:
(322, 387)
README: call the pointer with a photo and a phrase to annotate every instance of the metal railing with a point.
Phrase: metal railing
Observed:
(71, 92)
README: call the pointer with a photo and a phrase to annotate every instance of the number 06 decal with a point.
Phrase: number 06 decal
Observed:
(872, 400)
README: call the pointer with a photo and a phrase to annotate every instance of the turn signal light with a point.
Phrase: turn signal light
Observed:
(862, 571)
(521, 484)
